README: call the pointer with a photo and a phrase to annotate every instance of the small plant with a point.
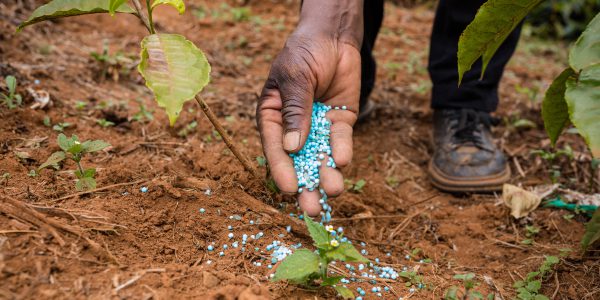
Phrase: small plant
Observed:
(105, 123)
(355, 187)
(412, 279)
(143, 115)
(551, 156)
(12, 99)
(74, 150)
(469, 284)
(309, 268)
(532, 231)
(529, 288)
(60, 127)
(189, 128)
(112, 65)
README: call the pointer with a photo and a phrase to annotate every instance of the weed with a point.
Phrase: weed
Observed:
(529, 288)
(412, 279)
(551, 156)
(74, 150)
(532, 231)
(392, 181)
(143, 115)
(12, 99)
(355, 187)
(80, 105)
(112, 65)
(32, 173)
(469, 284)
(47, 121)
(5, 177)
(309, 268)
(189, 128)
(261, 160)
(105, 123)
(60, 127)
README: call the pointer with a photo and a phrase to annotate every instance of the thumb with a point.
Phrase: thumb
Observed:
(296, 88)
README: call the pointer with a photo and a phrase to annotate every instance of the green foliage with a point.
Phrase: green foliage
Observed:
(143, 115)
(12, 99)
(105, 123)
(562, 18)
(576, 88)
(66, 8)
(177, 4)
(112, 64)
(453, 292)
(305, 267)
(494, 21)
(189, 128)
(261, 160)
(530, 233)
(583, 98)
(554, 108)
(60, 127)
(74, 150)
(411, 277)
(174, 69)
(529, 289)
(355, 187)
(592, 231)
(113, 5)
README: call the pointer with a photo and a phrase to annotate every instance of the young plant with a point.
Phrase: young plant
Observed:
(105, 123)
(74, 150)
(143, 115)
(308, 268)
(531, 232)
(529, 289)
(12, 99)
(112, 65)
(60, 127)
(454, 292)
(174, 68)
(572, 97)
(189, 128)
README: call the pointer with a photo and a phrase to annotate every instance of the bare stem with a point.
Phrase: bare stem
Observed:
(226, 138)
(149, 8)
(140, 14)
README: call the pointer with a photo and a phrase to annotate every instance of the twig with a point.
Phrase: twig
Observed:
(137, 277)
(99, 189)
(17, 231)
(140, 14)
(226, 138)
(557, 286)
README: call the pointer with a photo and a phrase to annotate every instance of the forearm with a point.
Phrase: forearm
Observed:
(339, 19)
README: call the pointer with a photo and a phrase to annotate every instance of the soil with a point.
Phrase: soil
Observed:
(124, 243)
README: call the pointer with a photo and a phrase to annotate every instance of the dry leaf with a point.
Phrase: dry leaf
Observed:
(520, 201)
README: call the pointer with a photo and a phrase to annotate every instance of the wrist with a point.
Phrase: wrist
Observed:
(341, 20)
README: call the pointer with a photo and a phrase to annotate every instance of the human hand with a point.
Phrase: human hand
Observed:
(315, 64)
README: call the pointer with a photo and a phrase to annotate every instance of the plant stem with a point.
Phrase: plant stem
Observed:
(79, 167)
(149, 8)
(226, 138)
(140, 14)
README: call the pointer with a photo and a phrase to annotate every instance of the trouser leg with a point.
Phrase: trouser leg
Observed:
(373, 16)
(452, 17)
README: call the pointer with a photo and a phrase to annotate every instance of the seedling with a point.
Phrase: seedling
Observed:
(550, 157)
(47, 121)
(105, 123)
(189, 128)
(74, 150)
(12, 99)
(60, 127)
(112, 65)
(532, 231)
(529, 288)
(4, 178)
(412, 279)
(308, 268)
(173, 67)
(355, 187)
(454, 292)
(143, 115)
(261, 160)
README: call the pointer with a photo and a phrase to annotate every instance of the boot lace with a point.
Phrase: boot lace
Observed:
(468, 126)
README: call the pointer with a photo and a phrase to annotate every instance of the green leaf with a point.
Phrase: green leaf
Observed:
(345, 292)
(494, 21)
(586, 50)
(85, 183)
(93, 146)
(451, 293)
(475, 295)
(298, 266)
(532, 275)
(66, 8)
(519, 284)
(174, 69)
(11, 83)
(554, 107)
(583, 99)
(534, 286)
(318, 232)
(53, 160)
(329, 281)
(64, 142)
(345, 252)
(592, 231)
(540, 297)
(113, 5)
(464, 277)
(178, 4)
(86, 173)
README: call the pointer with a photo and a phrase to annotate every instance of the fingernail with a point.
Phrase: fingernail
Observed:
(291, 140)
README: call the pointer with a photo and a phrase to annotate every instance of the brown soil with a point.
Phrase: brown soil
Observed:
(129, 244)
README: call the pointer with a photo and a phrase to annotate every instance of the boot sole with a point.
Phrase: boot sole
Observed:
(444, 182)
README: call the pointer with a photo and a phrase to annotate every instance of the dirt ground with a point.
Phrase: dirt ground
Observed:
(119, 242)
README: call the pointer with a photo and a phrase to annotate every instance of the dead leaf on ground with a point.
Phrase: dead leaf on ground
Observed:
(520, 201)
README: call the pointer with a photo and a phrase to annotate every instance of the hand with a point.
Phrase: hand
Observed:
(323, 67)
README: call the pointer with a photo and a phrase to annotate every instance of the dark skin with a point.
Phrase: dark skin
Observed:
(320, 61)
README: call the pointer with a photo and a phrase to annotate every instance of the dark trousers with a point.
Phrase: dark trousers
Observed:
(452, 17)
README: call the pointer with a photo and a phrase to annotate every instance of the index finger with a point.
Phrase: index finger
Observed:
(270, 126)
